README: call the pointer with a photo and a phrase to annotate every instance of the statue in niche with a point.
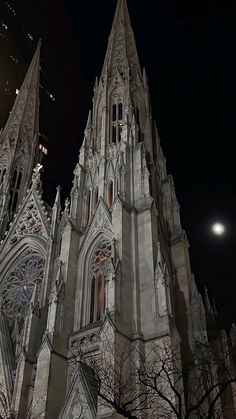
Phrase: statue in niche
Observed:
(162, 286)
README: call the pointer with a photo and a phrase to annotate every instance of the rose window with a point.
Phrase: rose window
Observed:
(19, 285)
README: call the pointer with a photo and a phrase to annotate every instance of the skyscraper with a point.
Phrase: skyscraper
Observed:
(113, 265)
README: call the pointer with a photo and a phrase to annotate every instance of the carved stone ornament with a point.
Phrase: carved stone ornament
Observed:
(100, 221)
(85, 342)
(76, 409)
(29, 224)
(118, 51)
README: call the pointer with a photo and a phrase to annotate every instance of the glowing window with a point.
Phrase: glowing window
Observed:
(43, 149)
(100, 266)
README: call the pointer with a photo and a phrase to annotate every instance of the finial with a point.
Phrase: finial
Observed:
(36, 175)
(67, 203)
(57, 198)
(37, 168)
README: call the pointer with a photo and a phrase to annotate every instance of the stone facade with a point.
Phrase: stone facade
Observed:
(113, 264)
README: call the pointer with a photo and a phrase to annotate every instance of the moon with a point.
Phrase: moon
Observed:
(218, 229)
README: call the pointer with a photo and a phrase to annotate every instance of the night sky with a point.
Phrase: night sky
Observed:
(189, 51)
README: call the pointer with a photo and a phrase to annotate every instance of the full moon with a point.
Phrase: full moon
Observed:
(218, 229)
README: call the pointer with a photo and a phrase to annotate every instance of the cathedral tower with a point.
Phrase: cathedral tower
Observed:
(19, 143)
(112, 266)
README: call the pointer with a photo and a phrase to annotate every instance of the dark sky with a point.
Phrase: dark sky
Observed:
(189, 51)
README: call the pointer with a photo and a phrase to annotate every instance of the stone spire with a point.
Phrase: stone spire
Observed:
(56, 211)
(121, 51)
(19, 144)
(23, 120)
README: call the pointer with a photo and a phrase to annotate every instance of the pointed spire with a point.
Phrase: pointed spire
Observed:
(24, 118)
(121, 50)
(89, 121)
(56, 211)
(207, 301)
(214, 308)
(57, 202)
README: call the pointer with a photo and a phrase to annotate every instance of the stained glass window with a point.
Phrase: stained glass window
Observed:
(18, 287)
(100, 265)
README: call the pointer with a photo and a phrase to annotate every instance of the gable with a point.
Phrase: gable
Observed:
(81, 399)
(31, 220)
(101, 220)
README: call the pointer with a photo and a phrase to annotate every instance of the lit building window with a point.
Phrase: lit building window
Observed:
(14, 59)
(10, 8)
(43, 149)
(4, 26)
(50, 95)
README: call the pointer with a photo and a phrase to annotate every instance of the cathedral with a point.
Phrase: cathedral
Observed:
(109, 268)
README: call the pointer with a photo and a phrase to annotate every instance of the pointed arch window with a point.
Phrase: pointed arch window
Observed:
(3, 168)
(100, 264)
(120, 112)
(114, 112)
(117, 122)
(88, 206)
(15, 188)
(96, 197)
(137, 116)
(3, 171)
(110, 194)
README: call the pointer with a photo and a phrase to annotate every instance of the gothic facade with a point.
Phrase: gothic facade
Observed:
(113, 264)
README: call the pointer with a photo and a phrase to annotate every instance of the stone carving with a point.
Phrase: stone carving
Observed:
(67, 206)
(85, 342)
(100, 222)
(76, 409)
(121, 48)
(36, 176)
(162, 286)
(4, 408)
(19, 285)
(29, 224)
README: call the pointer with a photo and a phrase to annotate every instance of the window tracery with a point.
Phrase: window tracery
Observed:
(99, 271)
(3, 169)
(15, 187)
(18, 287)
(117, 122)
